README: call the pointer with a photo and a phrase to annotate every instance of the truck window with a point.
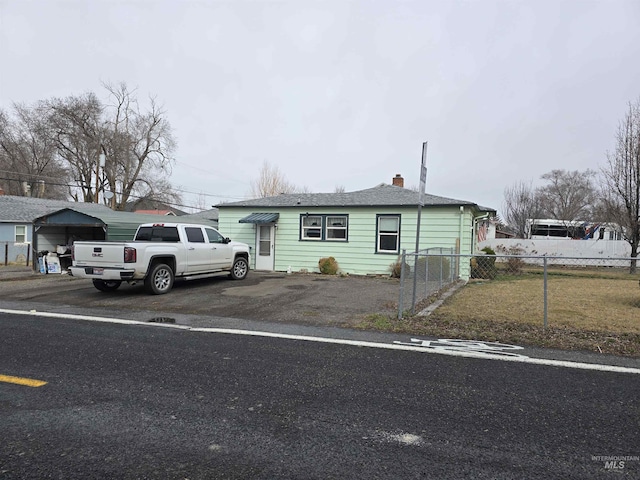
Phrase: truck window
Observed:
(214, 237)
(194, 234)
(158, 234)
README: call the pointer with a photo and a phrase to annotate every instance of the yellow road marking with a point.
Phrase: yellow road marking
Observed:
(29, 382)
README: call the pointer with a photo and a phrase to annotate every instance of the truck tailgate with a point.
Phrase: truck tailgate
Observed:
(98, 254)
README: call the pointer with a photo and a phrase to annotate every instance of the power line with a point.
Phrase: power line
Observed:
(49, 177)
(172, 204)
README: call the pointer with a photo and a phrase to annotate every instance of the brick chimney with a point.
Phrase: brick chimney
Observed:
(398, 181)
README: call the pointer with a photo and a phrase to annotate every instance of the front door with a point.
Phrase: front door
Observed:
(265, 239)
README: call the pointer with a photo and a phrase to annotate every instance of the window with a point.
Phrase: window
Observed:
(312, 227)
(214, 236)
(21, 234)
(264, 246)
(336, 228)
(388, 234)
(194, 234)
(158, 234)
(331, 228)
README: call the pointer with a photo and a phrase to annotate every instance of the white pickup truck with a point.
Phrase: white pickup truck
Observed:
(158, 254)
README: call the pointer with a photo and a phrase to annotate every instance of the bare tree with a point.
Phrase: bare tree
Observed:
(621, 195)
(568, 195)
(77, 129)
(29, 165)
(271, 182)
(136, 146)
(521, 203)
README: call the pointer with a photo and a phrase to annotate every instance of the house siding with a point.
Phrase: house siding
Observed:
(440, 227)
(12, 252)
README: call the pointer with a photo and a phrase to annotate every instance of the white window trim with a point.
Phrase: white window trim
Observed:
(378, 234)
(305, 228)
(25, 234)
(336, 228)
(323, 227)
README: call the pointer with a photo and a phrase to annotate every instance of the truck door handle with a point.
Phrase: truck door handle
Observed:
(191, 248)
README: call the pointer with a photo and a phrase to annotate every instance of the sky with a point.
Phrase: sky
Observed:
(343, 93)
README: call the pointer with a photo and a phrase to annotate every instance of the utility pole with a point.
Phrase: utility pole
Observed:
(99, 163)
(423, 181)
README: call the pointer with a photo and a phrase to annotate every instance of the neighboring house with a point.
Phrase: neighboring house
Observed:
(365, 231)
(153, 207)
(168, 213)
(205, 216)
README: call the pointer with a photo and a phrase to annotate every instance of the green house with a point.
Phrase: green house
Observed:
(366, 231)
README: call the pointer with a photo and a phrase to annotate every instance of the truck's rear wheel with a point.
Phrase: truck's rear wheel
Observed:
(240, 268)
(106, 285)
(159, 280)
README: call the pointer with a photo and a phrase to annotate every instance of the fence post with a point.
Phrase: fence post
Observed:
(415, 283)
(546, 306)
(6, 254)
(401, 299)
(426, 274)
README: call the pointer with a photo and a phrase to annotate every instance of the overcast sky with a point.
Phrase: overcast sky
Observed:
(344, 93)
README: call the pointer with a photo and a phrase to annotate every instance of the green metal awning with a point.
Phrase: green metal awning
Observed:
(260, 218)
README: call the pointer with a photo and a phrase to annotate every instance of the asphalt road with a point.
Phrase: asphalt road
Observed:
(143, 401)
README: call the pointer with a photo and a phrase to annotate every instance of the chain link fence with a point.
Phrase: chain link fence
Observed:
(425, 273)
(586, 291)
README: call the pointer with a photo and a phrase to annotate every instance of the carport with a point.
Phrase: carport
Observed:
(63, 227)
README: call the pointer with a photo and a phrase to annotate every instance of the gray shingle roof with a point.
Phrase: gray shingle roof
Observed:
(381, 195)
(25, 209)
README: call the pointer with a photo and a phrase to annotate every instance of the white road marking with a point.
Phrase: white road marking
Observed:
(339, 341)
(488, 349)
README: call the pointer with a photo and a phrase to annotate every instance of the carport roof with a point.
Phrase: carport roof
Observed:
(111, 217)
(260, 218)
(15, 209)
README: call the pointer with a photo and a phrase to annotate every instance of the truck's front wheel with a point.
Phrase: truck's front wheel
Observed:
(240, 268)
(159, 280)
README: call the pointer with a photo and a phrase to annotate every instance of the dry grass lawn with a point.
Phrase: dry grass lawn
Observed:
(587, 310)
(599, 304)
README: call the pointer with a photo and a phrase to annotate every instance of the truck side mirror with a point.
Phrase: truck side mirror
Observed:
(227, 240)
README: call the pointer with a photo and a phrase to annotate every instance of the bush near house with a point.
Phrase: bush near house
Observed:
(434, 267)
(396, 268)
(328, 266)
(484, 266)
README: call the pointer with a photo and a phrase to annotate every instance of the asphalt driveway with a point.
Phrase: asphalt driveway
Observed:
(307, 299)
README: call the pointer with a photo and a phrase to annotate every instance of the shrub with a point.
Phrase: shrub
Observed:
(484, 266)
(396, 268)
(515, 265)
(328, 266)
(437, 267)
